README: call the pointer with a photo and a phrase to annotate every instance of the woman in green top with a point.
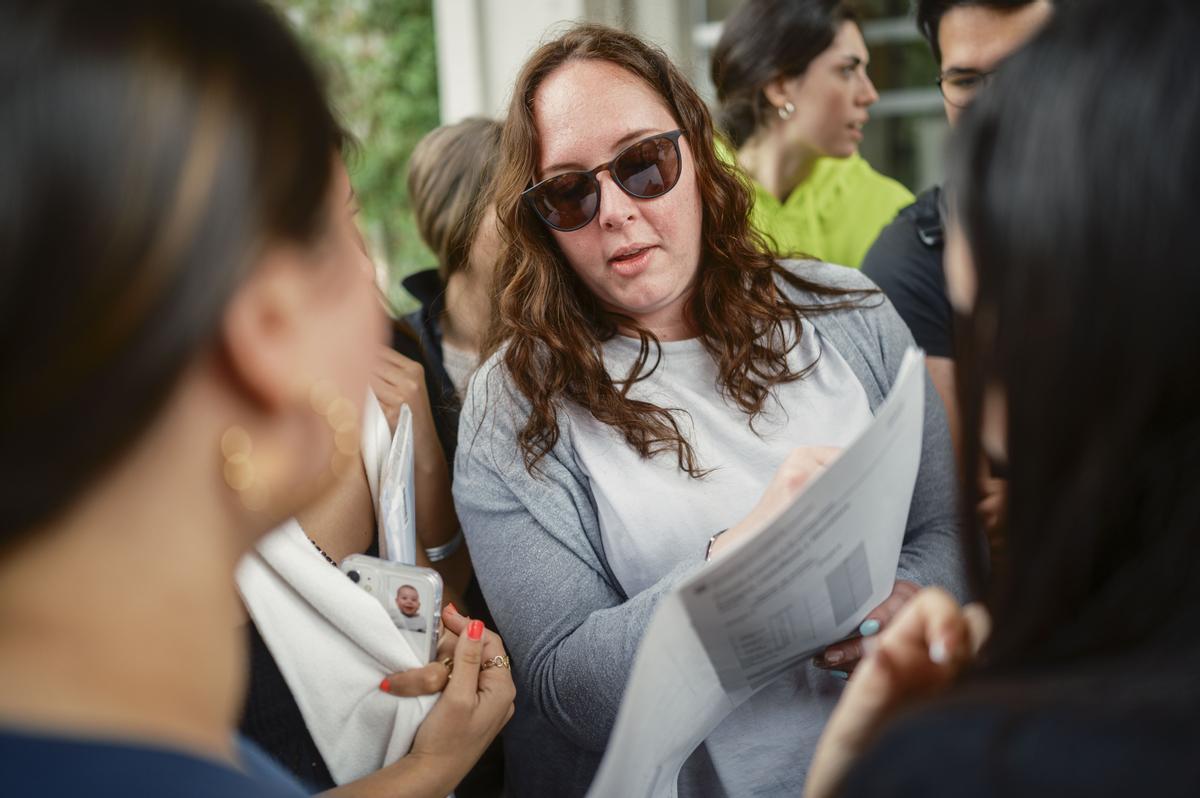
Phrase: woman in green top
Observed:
(793, 91)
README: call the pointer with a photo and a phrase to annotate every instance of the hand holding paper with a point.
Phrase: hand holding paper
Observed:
(801, 466)
(845, 656)
(798, 577)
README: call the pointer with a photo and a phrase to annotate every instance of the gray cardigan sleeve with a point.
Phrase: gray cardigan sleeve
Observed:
(571, 632)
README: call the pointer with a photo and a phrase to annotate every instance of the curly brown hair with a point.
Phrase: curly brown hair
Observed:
(550, 326)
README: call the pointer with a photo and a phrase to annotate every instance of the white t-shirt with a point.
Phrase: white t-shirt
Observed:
(651, 511)
(653, 515)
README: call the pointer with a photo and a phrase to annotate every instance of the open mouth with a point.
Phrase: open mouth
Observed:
(628, 256)
(630, 261)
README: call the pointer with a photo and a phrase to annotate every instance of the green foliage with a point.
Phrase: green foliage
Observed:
(379, 58)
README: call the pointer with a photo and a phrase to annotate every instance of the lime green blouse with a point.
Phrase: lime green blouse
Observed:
(835, 215)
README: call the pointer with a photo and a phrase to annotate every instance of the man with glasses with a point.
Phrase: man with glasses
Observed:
(969, 39)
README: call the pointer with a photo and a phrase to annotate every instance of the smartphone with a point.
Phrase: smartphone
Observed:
(411, 595)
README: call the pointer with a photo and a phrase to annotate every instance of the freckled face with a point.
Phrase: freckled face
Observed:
(638, 257)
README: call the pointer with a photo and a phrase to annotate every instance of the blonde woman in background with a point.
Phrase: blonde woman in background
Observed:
(448, 176)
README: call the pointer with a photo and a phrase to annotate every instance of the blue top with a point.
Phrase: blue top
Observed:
(999, 746)
(48, 766)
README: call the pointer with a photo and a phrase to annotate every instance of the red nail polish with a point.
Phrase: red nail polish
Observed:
(384, 685)
(475, 630)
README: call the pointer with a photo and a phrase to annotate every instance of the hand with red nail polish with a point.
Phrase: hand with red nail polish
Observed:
(433, 677)
(474, 706)
(425, 680)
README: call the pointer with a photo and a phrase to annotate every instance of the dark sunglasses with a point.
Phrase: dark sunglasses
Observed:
(645, 169)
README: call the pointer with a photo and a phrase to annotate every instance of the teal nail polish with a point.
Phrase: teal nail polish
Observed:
(840, 675)
(868, 628)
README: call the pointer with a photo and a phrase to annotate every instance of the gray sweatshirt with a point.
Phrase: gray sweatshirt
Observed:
(536, 546)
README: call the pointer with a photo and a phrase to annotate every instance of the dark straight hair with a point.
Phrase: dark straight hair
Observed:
(1081, 227)
(150, 150)
(763, 40)
(930, 12)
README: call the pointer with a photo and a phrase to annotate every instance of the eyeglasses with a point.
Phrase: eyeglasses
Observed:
(960, 87)
(644, 170)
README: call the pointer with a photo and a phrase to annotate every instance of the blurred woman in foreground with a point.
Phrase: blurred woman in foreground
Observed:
(1074, 258)
(187, 328)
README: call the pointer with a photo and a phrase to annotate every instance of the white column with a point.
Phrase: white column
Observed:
(481, 45)
(460, 54)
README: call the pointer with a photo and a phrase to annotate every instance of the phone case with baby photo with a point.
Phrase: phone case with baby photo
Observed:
(411, 595)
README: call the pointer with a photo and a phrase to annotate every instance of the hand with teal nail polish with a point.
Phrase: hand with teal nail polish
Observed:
(919, 653)
(845, 656)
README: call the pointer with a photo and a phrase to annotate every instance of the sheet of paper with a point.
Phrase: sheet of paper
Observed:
(672, 702)
(805, 581)
(397, 516)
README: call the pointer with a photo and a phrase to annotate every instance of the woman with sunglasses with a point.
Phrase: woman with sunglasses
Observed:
(656, 377)
(793, 94)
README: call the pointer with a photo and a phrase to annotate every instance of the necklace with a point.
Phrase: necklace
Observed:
(328, 559)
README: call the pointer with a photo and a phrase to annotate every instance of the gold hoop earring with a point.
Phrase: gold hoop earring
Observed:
(786, 111)
(342, 417)
(240, 472)
(246, 478)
